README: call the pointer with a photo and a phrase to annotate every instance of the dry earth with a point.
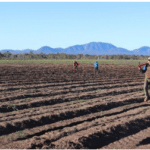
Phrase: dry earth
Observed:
(50, 107)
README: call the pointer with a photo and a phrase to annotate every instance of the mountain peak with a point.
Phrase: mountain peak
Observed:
(92, 48)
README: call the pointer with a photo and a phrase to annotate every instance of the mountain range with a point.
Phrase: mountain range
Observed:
(93, 48)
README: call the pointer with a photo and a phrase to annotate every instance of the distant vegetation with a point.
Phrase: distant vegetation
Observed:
(27, 56)
(68, 59)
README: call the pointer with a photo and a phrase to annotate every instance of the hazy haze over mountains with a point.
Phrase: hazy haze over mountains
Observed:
(93, 48)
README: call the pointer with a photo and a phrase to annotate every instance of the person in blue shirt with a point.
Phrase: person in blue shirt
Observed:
(96, 67)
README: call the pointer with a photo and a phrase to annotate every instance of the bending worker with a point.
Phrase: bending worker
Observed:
(147, 78)
(75, 66)
(96, 67)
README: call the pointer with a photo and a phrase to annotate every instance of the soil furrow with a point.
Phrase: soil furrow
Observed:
(46, 118)
(61, 132)
(114, 91)
(107, 134)
(54, 108)
(109, 103)
(138, 140)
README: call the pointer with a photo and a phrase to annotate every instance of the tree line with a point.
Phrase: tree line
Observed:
(8, 55)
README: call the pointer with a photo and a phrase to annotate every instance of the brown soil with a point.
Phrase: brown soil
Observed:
(50, 107)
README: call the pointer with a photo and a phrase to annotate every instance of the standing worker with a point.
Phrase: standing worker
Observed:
(96, 67)
(146, 70)
(75, 66)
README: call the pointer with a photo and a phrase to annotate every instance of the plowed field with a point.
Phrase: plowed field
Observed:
(48, 106)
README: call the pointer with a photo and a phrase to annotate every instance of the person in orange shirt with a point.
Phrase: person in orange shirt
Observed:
(75, 66)
(146, 70)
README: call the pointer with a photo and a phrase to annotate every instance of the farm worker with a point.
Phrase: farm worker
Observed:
(75, 65)
(147, 77)
(96, 67)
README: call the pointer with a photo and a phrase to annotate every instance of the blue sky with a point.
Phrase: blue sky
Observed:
(62, 24)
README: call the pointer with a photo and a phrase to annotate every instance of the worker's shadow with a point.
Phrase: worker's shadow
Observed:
(144, 142)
